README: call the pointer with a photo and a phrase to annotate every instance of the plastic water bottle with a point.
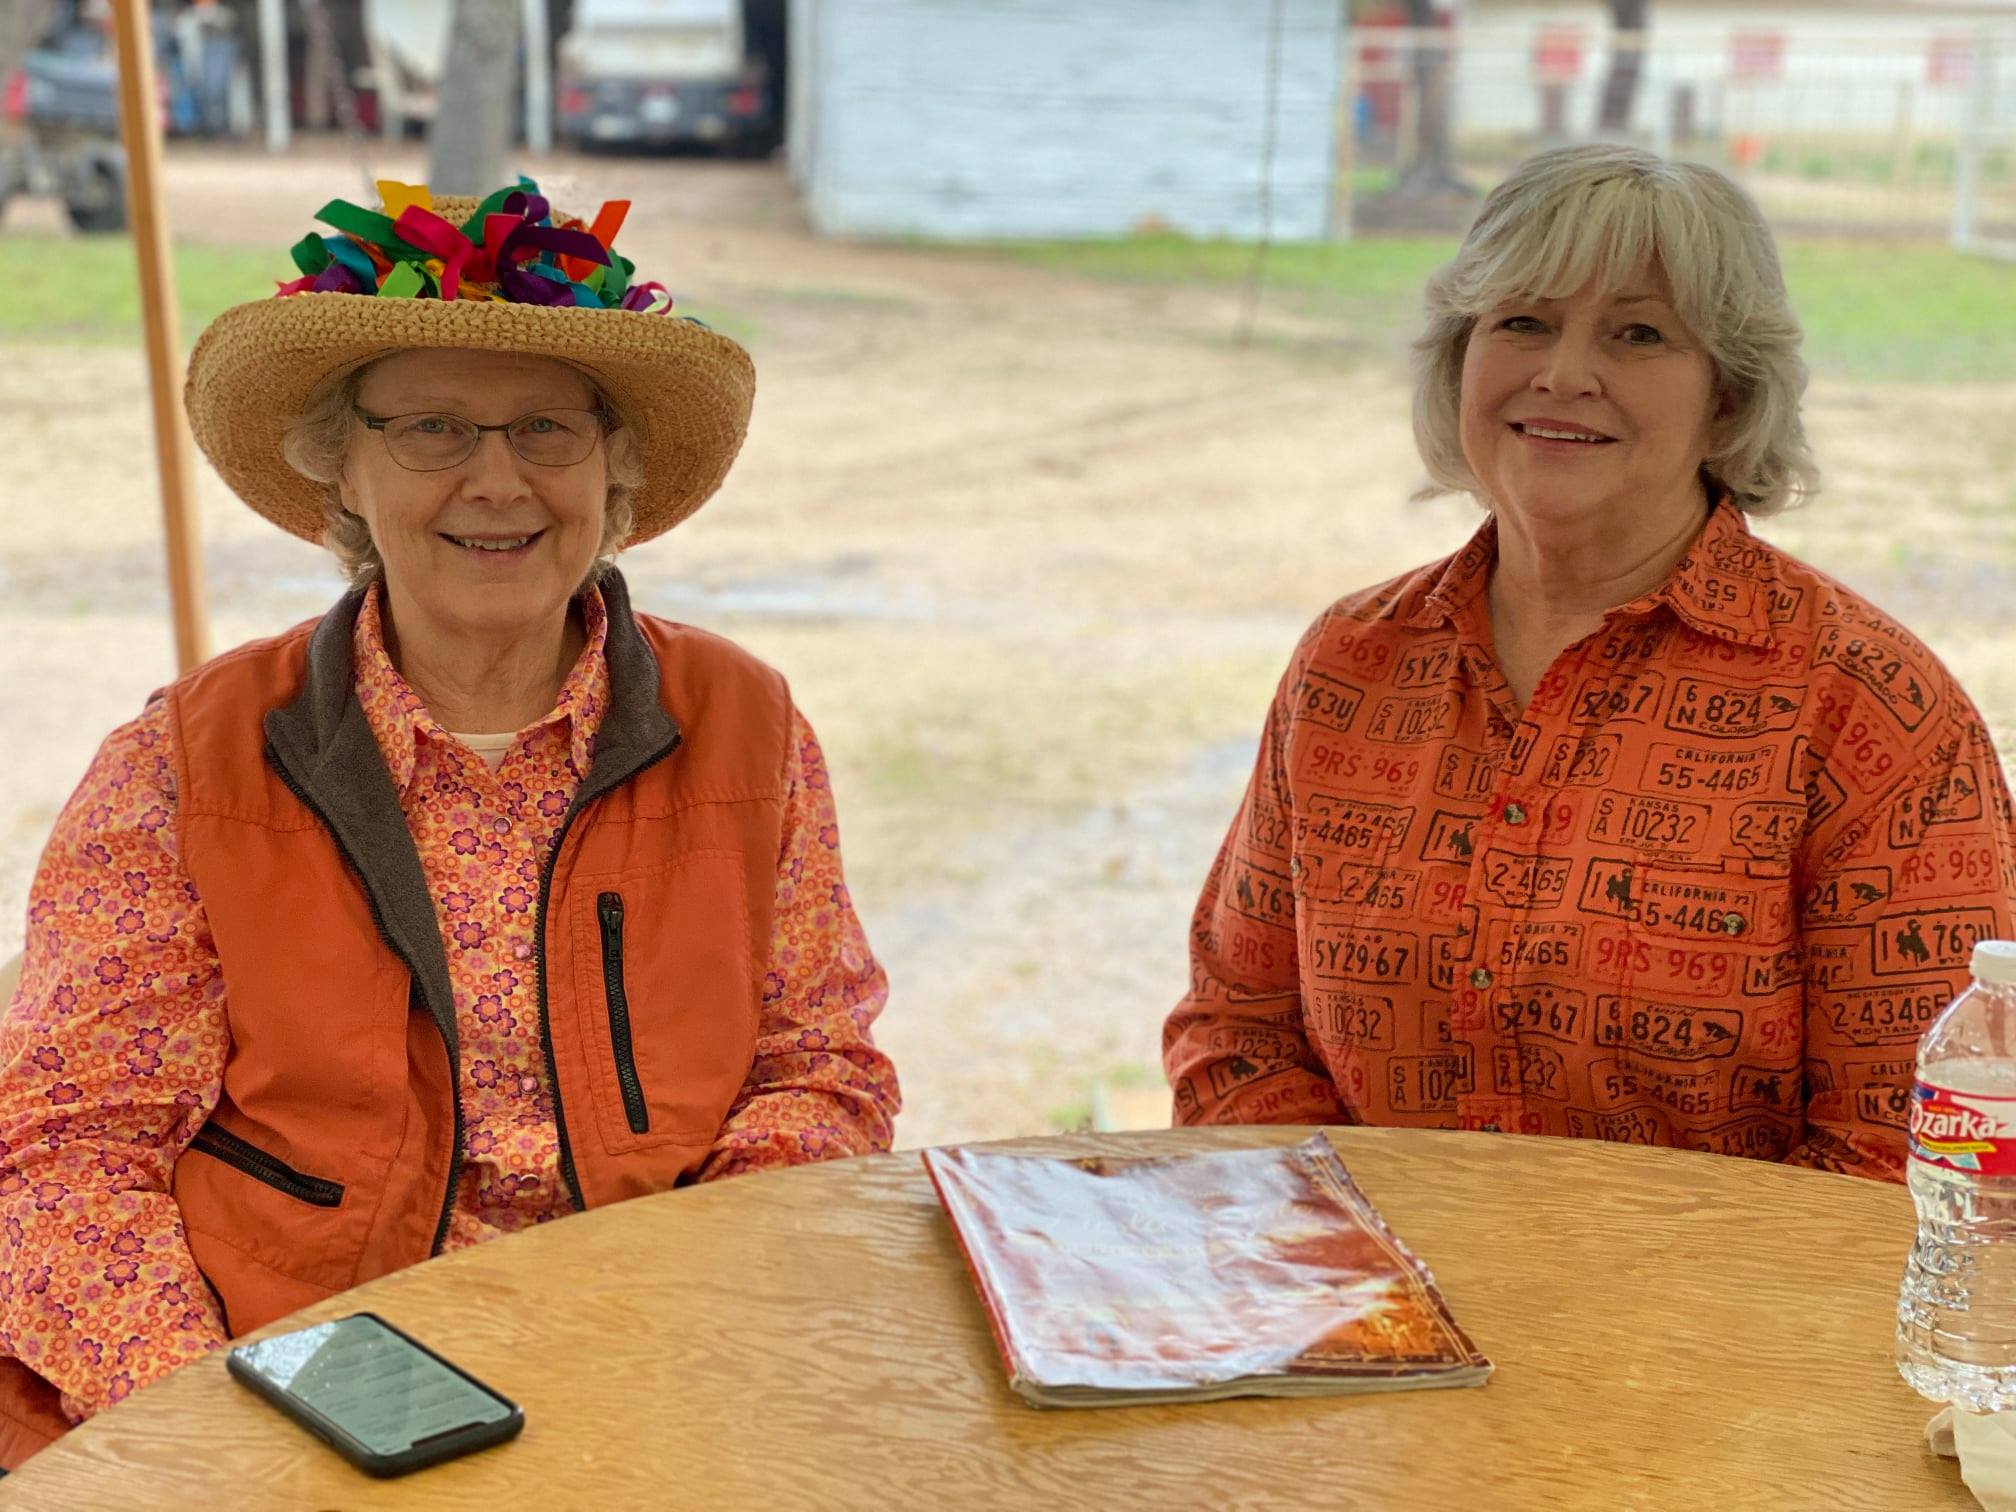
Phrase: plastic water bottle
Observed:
(1956, 1312)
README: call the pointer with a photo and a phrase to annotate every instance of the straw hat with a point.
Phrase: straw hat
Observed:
(516, 278)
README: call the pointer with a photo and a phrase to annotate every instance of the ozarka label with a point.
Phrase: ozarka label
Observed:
(1963, 1131)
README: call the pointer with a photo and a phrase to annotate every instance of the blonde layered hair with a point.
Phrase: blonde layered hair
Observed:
(1603, 213)
(317, 442)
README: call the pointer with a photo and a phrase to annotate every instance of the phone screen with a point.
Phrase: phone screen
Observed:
(372, 1383)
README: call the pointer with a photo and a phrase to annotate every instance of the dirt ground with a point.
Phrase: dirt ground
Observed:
(1032, 551)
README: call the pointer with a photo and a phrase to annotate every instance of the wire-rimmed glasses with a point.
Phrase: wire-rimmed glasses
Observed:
(430, 441)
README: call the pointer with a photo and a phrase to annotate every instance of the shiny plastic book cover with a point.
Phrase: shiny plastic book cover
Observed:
(1245, 1272)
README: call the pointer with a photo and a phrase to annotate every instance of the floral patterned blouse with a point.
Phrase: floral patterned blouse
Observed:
(113, 1048)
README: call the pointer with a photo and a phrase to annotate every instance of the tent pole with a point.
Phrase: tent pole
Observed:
(140, 126)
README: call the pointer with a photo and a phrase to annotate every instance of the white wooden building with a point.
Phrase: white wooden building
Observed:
(963, 119)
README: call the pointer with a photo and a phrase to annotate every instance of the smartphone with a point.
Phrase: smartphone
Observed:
(381, 1399)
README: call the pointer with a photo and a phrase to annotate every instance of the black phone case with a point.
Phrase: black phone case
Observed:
(431, 1451)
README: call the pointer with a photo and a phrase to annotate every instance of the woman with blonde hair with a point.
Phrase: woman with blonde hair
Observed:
(1620, 822)
(484, 898)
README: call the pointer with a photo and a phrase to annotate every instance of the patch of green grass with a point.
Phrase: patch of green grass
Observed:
(1130, 1077)
(87, 288)
(1069, 1118)
(1872, 310)
(1372, 271)
(730, 323)
(834, 296)
(1910, 313)
(1369, 290)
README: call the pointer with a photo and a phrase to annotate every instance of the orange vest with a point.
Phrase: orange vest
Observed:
(333, 1155)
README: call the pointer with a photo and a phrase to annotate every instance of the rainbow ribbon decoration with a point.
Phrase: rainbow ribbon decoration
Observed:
(510, 249)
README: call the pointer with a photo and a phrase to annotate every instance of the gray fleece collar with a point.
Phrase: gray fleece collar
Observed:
(322, 746)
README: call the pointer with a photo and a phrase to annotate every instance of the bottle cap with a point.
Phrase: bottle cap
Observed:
(1995, 961)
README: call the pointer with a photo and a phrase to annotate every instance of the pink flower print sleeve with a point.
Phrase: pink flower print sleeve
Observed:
(111, 1057)
(112, 1052)
(818, 1088)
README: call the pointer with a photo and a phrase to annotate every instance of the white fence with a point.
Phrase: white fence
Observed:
(1984, 195)
(1905, 132)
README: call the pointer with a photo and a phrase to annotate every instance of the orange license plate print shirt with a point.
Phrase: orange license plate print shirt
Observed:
(1706, 889)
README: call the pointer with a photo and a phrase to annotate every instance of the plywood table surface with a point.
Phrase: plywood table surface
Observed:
(1669, 1329)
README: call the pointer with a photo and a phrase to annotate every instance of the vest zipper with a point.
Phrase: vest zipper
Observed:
(609, 909)
(574, 811)
(245, 1156)
(447, 1045)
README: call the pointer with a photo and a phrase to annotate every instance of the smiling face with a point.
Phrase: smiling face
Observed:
(1591, 412)
(495, 545)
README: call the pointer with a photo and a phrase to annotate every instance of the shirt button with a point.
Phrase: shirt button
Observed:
(1295, 867)
(1514, 814)
(1480, 978)
(522, 952)
(1734, 923)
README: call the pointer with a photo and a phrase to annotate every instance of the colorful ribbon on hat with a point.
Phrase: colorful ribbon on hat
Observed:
(511, 250)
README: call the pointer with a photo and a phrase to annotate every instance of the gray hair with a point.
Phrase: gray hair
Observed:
(317, 441)
(1602, 212)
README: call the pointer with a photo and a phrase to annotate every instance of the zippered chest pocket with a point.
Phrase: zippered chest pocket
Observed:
(220, 1143)
(609, 914)
(665, 997)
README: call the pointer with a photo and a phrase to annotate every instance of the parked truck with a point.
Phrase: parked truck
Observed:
(59, 126)
(670, 71)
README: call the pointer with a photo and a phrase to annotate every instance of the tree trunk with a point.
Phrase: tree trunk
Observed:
(1428, 169)
(1620, 87)
(474, 106)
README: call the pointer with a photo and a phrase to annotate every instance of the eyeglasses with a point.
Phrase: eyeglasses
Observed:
(431, 442)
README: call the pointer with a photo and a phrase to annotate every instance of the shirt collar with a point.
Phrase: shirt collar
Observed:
(399, 718)
(1457, 584)
(1722, 587)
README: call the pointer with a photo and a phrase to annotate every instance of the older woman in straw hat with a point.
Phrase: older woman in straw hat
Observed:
(1620, 822)
(478, 901)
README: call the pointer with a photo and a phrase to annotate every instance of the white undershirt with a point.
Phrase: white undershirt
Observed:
(490, 747)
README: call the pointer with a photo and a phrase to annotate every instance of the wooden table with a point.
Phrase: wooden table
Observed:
(1670, 1330)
